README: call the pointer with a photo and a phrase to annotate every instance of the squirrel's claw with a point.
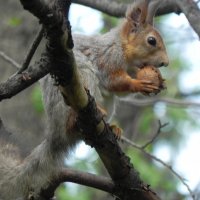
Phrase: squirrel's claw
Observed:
(117, 131)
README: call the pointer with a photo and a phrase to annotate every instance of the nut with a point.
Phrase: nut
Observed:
(152, 74)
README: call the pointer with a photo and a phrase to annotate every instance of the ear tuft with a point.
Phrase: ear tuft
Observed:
(133, 14)
(137, 12)
(152, 11)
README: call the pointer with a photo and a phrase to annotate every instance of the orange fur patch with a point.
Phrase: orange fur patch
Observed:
(120, 81)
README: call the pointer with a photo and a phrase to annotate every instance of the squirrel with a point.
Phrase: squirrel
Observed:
(134, 44)
(103, 62)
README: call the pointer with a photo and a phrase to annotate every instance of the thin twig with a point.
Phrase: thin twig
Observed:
(160, 126)
(153, 100)
(32, 50)
(192, 93)
(9, 60)
(169, 167)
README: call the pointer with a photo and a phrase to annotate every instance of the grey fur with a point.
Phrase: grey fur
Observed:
(104, 49)
(22, 180)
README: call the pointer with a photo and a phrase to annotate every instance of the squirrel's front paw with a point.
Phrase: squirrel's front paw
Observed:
(117, 131)
(144, 86)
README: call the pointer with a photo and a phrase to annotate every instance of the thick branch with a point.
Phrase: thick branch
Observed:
(109, 7)
(192, 12)
(87, 179)
(119, 9)
(38, 8)
(19, 82)
(82, 178)
(116, 162)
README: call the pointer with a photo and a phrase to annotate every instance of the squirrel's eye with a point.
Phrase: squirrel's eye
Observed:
(152, 41)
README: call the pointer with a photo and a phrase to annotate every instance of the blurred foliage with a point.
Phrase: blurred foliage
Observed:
(36, 99)
(108, 23)
(153, 174)
(64, 192)
(14, 21)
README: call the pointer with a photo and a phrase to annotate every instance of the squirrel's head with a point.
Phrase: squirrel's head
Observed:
(141, 42)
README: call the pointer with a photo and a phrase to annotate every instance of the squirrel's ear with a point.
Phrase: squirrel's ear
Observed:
(153, 7)
(137, 13)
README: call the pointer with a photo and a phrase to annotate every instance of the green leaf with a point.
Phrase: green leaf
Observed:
(14, 21)
(108, 23)
(36, 98)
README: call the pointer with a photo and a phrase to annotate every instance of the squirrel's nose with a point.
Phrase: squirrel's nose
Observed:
(164, 64)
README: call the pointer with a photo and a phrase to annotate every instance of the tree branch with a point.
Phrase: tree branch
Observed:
(19, 82)
(151, 141)
(154, 100)
(9, 60)
(32, 50)
(109, 7)
(169, 167)
(82, 178)
(119, 9)
(87, 179)
(192, 12)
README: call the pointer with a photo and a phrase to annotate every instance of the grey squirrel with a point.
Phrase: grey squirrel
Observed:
(102, 62)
